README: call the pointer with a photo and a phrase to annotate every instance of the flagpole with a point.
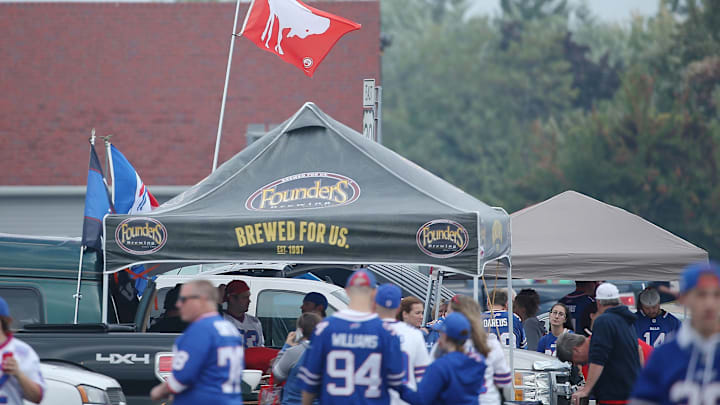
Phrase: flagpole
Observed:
(108, 152)
(77, 296)
(227, 80)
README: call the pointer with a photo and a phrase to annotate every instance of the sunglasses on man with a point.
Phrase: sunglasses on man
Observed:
(188, 297)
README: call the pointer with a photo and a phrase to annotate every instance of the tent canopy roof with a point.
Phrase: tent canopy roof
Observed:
(573, 236)
(389, 200)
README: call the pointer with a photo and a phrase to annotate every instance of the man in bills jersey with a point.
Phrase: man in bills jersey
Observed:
(495, 321)
(20, 378)
(578, 300)
(412, 343)
(208, 359)
(686, 368)
(653, 324)
(353, 356)
(237, 295)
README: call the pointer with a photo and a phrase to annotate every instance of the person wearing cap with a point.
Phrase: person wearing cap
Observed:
(237, 295)
(20, 378)
(613, 353)
(353, 357)
(653, 324)
(412, 342)
(315, 302)
(686, 368)
(455, 378)
(170, 321)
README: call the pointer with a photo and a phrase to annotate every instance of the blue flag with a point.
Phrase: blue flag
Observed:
(97, 204)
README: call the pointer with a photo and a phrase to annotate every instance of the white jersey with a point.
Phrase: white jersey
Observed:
(250, 328)
(29, 363)
(415, 355)
(497, 373)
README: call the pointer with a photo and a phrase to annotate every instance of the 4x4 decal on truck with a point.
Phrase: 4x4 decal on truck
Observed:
(117, 358)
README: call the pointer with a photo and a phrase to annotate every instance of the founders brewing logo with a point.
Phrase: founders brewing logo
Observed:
(442, 238)
(305, 191)
(140, 236)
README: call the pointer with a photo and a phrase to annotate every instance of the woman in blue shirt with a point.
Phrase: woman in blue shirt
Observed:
(287, 363)
(456, 378)
(559, 324)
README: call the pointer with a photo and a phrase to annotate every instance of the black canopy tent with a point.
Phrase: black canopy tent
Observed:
(314, 191)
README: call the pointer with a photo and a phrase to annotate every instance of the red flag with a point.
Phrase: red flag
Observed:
(299, 34)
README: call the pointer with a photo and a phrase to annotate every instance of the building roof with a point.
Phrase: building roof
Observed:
(152, 75)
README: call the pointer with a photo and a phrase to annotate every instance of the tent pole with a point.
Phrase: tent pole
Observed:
(438, 295)
(227, 80)
(510, 315)
(476, 294)
(426, 311)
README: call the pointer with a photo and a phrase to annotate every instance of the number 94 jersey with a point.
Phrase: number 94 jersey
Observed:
(353, 359)
(208, 361)
(685, 370)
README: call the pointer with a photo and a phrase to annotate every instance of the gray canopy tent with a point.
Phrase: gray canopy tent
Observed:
(313, 191)
(575, 236)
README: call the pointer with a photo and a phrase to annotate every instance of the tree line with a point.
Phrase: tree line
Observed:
(546, 97)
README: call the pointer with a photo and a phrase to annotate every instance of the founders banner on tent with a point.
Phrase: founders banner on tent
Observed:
(450, 241)
(314, 190)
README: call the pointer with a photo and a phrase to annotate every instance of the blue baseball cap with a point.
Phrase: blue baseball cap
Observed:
(361, 278)
(388, 296)
(456, 326)
(317, 299)
(694, 272)
(4, 308)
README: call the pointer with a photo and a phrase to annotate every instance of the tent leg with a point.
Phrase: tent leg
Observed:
(105, 297)
(426, 311)
(476, 292)
(510, 317)
(438, 296)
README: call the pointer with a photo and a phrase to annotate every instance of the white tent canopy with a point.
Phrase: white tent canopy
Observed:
(573, 236)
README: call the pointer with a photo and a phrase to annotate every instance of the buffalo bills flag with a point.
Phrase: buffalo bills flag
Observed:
(299, 34)
(131, 194)
(97, 204)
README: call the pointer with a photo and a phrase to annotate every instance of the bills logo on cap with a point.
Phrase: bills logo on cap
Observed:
(388, 303)
(360, 279)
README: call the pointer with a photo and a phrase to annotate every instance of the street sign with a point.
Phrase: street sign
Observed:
(369, 93)
(369, 124)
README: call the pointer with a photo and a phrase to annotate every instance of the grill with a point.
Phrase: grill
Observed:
(116, 396)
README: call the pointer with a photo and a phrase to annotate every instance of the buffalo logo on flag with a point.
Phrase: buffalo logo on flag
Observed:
(299, 34)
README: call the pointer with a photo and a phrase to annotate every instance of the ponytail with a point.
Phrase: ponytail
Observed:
(468, 307)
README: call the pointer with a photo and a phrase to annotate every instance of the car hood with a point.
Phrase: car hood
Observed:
(526, 359)
(75, 375)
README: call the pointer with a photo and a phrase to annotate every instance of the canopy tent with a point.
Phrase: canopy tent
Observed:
(314, 191)
(573, 236)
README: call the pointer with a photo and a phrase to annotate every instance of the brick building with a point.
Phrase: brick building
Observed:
(152, 75)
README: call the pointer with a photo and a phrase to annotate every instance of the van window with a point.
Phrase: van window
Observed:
(25, 305)
(278, 311)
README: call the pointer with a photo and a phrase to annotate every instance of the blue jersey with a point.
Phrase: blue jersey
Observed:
(684, 370)
(577, 302)
(546, 344)
(496, 323)
(353, 359)
(208, 361)
(654, 330)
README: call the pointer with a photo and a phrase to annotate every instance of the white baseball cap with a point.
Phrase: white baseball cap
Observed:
(607, 291)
